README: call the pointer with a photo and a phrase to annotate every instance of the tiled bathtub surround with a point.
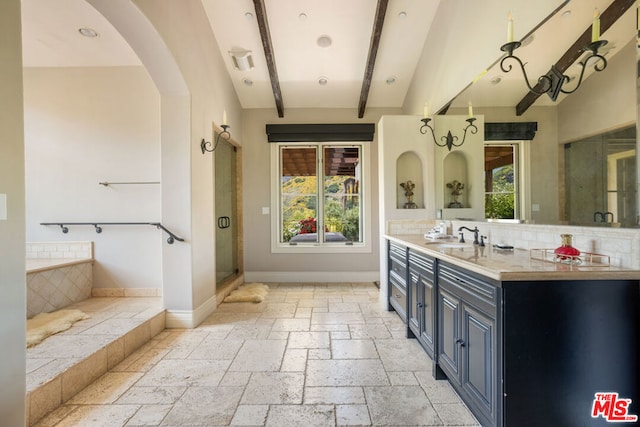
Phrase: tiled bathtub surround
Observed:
(58, 287)
(59, 250)
(58, 274)
(622, 245)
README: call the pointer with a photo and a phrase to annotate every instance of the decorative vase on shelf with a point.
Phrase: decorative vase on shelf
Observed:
(566, 251)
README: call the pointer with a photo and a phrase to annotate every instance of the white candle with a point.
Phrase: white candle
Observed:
(426, 111)
(595, 27)
(470, 110)
(224, 117)
(510, 29)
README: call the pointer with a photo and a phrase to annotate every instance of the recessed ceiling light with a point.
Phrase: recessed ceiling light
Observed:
(302, 17)
(402, 15)
(247, 82)
(88, 32)
(248, 15)
(566, 13)
(322, 81)
(496, 80)
(391, 80)
(324, 41)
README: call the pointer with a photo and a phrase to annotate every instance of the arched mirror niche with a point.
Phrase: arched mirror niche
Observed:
(409, 181)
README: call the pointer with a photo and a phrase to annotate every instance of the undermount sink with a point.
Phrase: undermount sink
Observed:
(454, 245)
(447, 245)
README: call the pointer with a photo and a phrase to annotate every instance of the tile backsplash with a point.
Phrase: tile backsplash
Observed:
(622, 245)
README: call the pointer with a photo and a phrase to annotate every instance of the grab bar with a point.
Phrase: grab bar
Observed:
(63, 225)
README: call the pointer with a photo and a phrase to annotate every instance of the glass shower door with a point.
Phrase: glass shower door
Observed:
(226, 211)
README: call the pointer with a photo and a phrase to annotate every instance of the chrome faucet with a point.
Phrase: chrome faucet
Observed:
(475, 232)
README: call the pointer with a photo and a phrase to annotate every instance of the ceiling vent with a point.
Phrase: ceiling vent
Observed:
(242, 59)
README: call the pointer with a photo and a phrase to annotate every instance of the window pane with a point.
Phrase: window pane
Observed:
(299, 200)
(342, 211)
(500, 182)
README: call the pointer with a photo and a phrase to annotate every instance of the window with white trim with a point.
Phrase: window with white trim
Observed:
(503, 180)
(319, 205)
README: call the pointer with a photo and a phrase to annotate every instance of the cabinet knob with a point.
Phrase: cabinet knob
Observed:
(420, 305)
(460, 341)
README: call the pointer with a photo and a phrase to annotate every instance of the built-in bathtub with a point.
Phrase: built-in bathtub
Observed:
(58, 274)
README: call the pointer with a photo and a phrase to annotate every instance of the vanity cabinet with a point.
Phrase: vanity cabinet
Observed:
(397, 279)
(422, 299)
(524, 349)
(468, 338)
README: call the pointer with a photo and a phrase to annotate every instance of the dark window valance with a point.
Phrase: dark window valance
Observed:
(510, 131)
(320, 132)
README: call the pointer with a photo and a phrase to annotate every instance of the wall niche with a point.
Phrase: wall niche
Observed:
(455, 181)
(409, 173)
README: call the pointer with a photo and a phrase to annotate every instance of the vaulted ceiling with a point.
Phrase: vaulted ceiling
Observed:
(326, 54)
(354, 54)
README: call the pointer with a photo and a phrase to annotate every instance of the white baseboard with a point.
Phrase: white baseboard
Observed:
(311, 276)
(189, 319)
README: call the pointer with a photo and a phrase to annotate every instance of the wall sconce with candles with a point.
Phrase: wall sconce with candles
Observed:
(449, 140)
(224, 134)
(552, 82)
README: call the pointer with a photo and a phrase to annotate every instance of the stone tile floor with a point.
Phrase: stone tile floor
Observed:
(309, 355)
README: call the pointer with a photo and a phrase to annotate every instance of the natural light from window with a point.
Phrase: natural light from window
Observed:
(320, 203)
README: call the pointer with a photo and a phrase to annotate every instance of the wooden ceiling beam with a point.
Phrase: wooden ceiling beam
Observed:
(607, 19)
(265, 35)
(381, 10)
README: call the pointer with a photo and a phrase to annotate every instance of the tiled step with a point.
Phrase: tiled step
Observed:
(64, 364)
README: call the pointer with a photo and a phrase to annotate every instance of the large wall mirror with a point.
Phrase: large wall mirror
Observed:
(581, 166)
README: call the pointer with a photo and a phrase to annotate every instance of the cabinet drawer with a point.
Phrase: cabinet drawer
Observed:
(421, 265)
(397, 272)
(398, 252)
(398, 299)
(469, 286)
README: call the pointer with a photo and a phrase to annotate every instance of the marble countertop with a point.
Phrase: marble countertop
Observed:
(508, 265)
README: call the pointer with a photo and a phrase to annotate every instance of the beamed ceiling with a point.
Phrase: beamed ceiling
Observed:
(340, 54)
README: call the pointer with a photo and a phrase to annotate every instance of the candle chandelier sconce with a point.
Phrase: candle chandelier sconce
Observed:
(205, 145)
(552, 82)
(449, 140)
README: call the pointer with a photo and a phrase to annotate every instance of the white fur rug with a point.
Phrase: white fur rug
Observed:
(252, 292)
(43, 325)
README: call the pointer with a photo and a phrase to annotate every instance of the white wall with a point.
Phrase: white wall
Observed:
(89, 125)
(12, 250)
(187, 194)
(260, 263)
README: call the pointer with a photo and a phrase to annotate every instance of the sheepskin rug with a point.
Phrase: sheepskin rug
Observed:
(252, 292)
(43, 325)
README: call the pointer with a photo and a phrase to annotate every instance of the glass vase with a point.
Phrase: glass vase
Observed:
(566, 251)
